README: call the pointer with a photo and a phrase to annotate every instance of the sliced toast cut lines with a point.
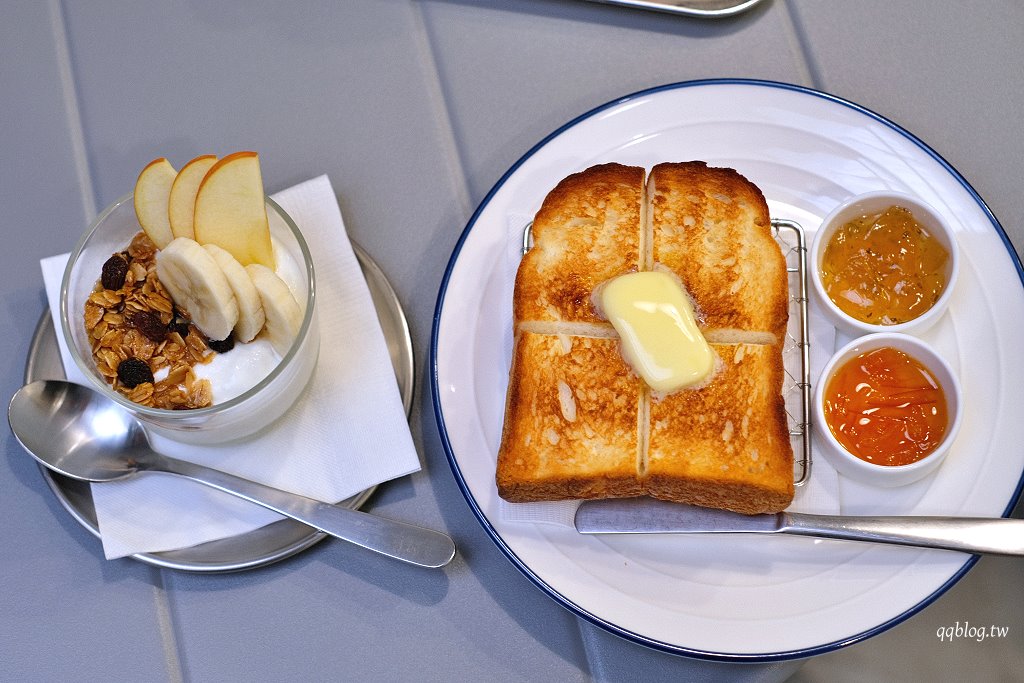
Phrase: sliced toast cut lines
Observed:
(722, 445)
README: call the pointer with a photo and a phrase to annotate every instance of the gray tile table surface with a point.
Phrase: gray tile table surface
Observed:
(415, 109)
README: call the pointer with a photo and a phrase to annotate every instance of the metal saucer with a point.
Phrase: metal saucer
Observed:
(265, 545)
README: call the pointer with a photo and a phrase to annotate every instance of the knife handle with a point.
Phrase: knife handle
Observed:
(997, 536)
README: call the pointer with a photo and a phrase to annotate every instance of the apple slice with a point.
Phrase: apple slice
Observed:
(152, 190)
(231, 212)
(181, 203)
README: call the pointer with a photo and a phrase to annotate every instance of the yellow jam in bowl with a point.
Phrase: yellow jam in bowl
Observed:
(884, 268)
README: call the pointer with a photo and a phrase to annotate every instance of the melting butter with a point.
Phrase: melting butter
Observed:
(659, 333)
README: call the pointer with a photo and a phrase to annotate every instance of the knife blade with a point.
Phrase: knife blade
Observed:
(978, 535)
(653, 516)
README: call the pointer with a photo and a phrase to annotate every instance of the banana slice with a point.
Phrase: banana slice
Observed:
(284, 316)
(250, 305)
(197, 284)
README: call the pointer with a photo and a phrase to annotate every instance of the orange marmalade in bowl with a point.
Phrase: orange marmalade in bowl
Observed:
(885, 407)
(884, 268)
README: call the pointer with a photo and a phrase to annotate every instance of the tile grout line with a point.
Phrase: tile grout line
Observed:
(435, 91)
(811, 70)
(592, 658)
(76, 133)
(69, 94)
(165, 625)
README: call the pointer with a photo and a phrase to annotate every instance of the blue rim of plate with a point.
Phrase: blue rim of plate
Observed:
(496, 537)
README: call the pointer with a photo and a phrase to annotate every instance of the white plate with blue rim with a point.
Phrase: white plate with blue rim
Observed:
(742, 598)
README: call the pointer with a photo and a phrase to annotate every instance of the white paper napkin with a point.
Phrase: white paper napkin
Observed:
(819, 495)
(347, 432)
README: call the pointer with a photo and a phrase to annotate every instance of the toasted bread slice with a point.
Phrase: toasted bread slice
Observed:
(586, 232)
(579, 423)
(725, 445)
(710, 226)
(571, 421)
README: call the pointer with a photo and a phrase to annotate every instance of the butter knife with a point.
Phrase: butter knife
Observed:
(978, 535)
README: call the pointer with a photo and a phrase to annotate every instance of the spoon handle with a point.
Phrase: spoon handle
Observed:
(406, 542)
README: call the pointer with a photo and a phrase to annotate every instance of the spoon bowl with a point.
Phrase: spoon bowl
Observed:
(77, 432)
(82, 434)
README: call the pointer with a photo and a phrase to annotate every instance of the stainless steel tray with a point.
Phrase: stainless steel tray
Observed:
(708, 9)
(796, 350)
(267, 544)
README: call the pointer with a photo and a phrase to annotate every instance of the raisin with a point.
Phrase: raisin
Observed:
(178, 324)
(134, 371)
(148, 323)
(114, 270)
(222, 345)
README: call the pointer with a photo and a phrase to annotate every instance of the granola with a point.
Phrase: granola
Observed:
(121, 321)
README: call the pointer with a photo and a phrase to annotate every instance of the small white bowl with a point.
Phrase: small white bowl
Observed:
(889, 475)
(875, 202)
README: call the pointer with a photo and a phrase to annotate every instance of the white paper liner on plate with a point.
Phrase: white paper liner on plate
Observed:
(819, 495)
(348, 431)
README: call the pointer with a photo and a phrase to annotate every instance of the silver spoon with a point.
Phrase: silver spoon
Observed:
(80, 433)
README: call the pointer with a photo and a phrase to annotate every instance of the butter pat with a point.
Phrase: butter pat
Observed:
(658, 330)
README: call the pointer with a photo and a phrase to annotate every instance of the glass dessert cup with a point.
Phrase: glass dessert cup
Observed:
(241, 416)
